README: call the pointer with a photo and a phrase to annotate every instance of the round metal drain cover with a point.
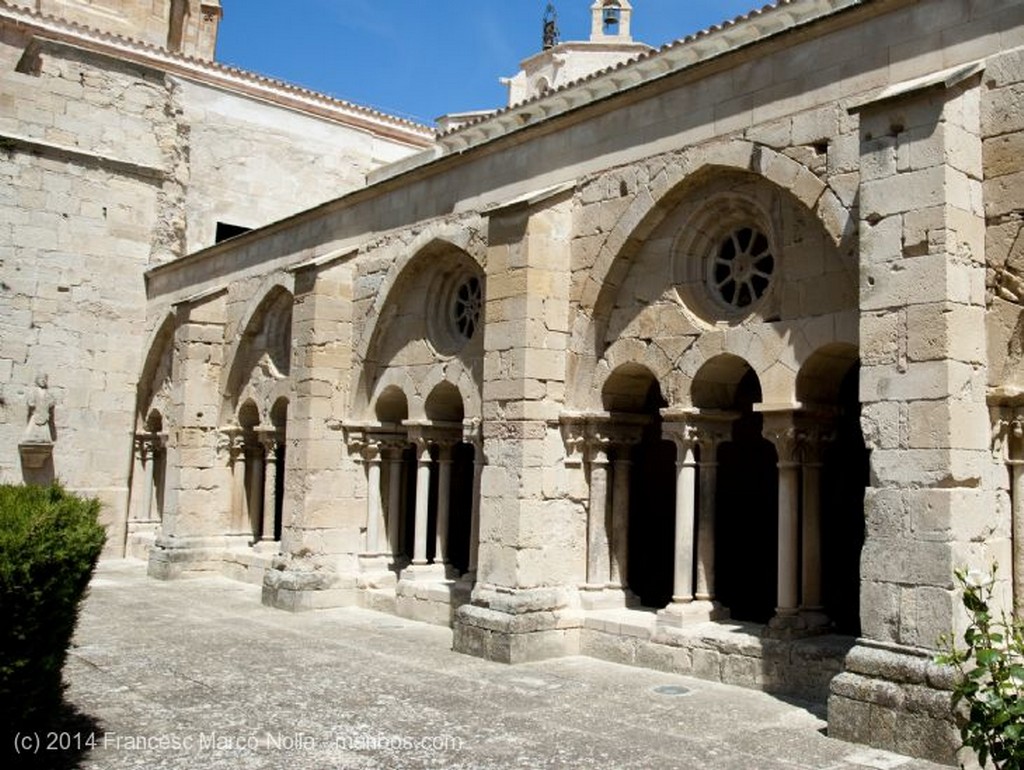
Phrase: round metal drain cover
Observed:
(672, 689)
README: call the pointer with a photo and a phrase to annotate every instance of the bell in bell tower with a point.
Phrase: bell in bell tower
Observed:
(611, 21)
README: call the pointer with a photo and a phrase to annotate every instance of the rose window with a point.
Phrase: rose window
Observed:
(742, 270)
(469, 300)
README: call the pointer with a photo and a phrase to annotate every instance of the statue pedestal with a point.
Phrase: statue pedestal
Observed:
(34, 454)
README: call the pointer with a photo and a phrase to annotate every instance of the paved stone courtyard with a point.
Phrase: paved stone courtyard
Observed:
(197, 673)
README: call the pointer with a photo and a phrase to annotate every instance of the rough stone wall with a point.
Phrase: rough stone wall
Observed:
(1002, 126)
(108, 168)
(81, 169)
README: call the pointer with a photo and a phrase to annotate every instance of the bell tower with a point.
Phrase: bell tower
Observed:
(610, 21)
(563, 61)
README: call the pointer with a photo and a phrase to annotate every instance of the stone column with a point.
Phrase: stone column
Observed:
(147, 456)
(395, 498)
(923, 202)
(598, 563)
(236, 449)
(713, 429)
(780, 430)
(1011, 428)
(686, 496)
(374, 506)
(474, 525)
(270, 443)
(255, 461)
(444, 483)
(423, 462)
(1017, 534)
(620, 518)
(681, 611)
(811, 604)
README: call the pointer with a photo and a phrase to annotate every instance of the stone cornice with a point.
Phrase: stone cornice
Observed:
(218, 75)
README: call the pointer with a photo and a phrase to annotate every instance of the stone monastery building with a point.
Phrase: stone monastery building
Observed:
(706, 359)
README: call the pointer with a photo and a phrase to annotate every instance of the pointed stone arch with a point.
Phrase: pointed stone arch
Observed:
(259, 361)
(155, 379)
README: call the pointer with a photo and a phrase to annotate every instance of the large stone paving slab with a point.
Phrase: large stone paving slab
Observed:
(198, 674)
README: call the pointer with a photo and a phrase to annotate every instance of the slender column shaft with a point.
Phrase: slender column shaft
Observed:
(686, 487)
(598, 570)
(269, 490)
(444, 485)
(811, 561)
(148, 456)
(419, 554)
(255, 492)
(789, 536)
(708, 474)
(238, 509)
(474, 521)
(373, 501)
(620, 520)
(395, 500)
(1017, 535)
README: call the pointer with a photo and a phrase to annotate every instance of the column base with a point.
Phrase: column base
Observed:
(607, 597)
(815, 620)
(173, 557)
(679, 614)
(896, 698)
(430, 601)
(300, 590)
(272, 547)
(424, 573)
(510, 625)
(795, 624)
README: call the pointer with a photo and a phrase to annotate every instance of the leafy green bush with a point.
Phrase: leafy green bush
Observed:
(990, 685)
(50, 541)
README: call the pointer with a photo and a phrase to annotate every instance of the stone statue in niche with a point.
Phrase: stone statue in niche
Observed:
(40, 404)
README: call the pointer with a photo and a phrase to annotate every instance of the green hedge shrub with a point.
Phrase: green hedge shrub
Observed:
(50, 541)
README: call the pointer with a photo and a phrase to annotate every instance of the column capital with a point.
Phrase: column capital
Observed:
(148, 443)
(590, 434)
(269, 437)
(231, 439)
(692, 428)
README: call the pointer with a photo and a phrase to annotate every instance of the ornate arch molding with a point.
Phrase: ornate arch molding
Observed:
(233, 386)
(465, 237)
(670, 185)
(155, 379)
(445, 244)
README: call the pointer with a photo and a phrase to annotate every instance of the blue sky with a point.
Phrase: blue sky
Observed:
(424, 58)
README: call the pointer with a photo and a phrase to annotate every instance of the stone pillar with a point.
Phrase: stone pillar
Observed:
(598, 563)
(423, 463)
(237, 459)
(933, 505)
(147, 456)
(686, 498)
(374, 506)
(254, 493)
(620, 519)
(811, 603)
(444, 483)
(1017, 534)
(270, 446)
(713, 428)
(474, 523)
(780, 430)
(1008, 417)
(395, 498)
(526, 597)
